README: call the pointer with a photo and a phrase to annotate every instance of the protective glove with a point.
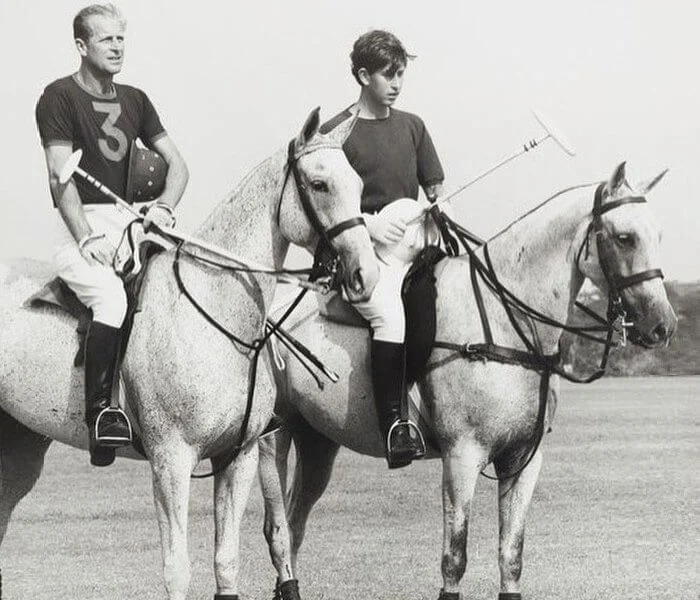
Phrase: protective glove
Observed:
(159, 215)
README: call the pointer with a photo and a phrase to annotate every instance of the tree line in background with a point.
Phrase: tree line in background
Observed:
(681, 357)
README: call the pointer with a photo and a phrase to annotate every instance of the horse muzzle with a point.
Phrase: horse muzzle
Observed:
(654, 323)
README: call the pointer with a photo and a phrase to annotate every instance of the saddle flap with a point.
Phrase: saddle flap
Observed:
(333, 307)
(57, 293)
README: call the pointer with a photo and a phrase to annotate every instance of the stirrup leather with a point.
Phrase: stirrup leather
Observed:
(414, 433)
(107, 418)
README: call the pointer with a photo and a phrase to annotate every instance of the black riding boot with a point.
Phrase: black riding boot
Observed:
(403, 440)
(101, 353)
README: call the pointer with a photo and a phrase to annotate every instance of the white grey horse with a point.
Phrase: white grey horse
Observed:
(187, 383)
(483, 411)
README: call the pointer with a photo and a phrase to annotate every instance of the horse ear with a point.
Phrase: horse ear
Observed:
(648, 185)
(617, 179)
(309, 130)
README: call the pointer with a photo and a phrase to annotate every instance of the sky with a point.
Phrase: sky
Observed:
(234, 81)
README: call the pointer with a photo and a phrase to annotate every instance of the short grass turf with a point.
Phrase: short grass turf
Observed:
(614, 517)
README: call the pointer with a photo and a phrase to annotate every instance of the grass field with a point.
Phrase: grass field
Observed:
(615, 516)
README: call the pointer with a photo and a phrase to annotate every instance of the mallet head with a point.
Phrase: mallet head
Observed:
(70, 166)
(554, 133)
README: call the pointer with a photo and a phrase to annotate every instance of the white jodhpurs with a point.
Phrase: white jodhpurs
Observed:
(96, 286)
(384, 309)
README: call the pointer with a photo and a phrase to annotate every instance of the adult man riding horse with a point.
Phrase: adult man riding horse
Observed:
(87, 110)
(394, 155)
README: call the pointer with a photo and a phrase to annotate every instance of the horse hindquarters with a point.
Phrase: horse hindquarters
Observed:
(22, 454)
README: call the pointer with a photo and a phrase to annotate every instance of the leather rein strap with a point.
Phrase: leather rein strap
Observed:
(257, 345)
(533, 357)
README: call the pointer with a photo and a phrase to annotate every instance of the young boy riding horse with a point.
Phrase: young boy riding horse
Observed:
(394, 155)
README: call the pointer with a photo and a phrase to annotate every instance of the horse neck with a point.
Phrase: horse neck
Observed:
(245, 222)
(535, 257)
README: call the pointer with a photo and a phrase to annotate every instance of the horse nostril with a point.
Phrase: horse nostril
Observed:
(660, 332)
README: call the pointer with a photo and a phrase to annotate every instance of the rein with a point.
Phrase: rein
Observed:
(533, 357)
(271, 328)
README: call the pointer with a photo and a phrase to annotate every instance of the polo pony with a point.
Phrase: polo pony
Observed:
(189, 372)
(485, 387)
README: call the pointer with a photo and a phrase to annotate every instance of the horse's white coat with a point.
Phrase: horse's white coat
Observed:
(186, 382)
(482, 412)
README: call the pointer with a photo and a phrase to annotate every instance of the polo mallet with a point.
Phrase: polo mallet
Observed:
(71, 167)
(552, 133)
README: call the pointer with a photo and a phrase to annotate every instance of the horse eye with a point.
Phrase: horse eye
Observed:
(625, 240)
(319, 186)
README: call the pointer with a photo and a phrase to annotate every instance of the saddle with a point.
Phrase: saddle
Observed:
(418, 294)
(130, 262)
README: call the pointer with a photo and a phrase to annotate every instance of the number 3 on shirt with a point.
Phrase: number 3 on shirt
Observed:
(113, 110)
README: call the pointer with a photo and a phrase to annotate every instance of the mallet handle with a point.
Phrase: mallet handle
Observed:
(526, 148)
(173, 233)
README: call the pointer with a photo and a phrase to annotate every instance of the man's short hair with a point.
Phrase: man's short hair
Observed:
(377, 49)
(81, 26)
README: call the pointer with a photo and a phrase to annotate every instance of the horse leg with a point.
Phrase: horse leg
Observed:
(274, 449)
(461, 465)
(315, 455)
(171, 466)
(314, 465)
(514, 497)
(22, 454)
(231, 490)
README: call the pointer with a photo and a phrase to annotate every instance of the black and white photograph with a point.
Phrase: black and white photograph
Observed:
(321, 300)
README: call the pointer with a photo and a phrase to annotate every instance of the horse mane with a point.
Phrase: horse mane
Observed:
(541, 205)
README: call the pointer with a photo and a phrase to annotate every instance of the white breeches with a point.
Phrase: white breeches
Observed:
(384, 309)
(97, 286)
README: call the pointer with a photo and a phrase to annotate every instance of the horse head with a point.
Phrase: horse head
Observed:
(622, 257)
(326, 207)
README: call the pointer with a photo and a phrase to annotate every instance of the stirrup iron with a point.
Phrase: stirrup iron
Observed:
(414, 434)
(107, 419)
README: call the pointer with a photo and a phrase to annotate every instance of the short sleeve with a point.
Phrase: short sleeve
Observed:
(429, 167)
(151, 127)
(54, 118)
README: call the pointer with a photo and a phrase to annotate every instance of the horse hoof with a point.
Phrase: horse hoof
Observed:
(289, 590)
(449, 595)
(510, 596)
(225, 596)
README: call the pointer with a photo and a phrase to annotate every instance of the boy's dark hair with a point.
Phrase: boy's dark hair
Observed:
(376, 50)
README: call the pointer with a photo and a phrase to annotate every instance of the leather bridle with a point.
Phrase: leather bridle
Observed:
(533, 358)
(327, 234)
(616, 281)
